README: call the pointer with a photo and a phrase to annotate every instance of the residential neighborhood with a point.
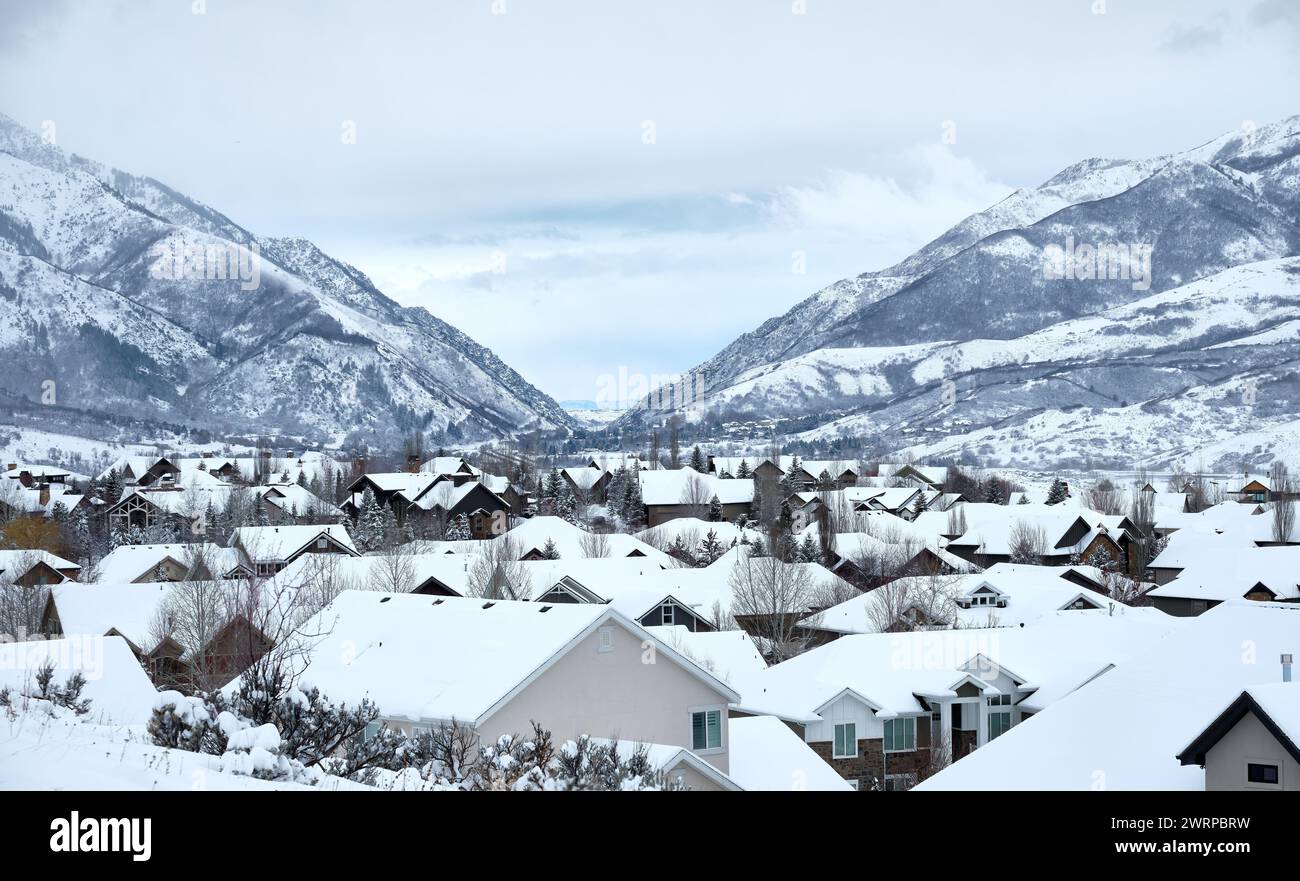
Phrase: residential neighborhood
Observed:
(861, 626)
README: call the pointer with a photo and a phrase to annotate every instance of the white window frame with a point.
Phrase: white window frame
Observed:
(692, 712)
(605, 637)
(834, 738)
(667, 614)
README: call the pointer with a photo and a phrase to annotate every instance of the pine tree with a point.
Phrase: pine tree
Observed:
(715, 509)
(808, 552)
(742, 471)
(1058, 492)
(550, 551)
(825, 481)
(1024, 499)
(566, 506)
(698, 461)
(993, 492)
(756, 506)
(370, 522)
(710, 549)
(633, 506)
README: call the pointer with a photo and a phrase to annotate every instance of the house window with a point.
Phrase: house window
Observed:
(1261, 773)
(846, 741)
(606, 639)
(900, 735)
(371, 730)
(322, 543)
(666, 613)
(998, 724)
(854, 784)
(706, 729)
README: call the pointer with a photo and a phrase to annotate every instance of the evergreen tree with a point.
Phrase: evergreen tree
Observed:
(756, 506)
(633, 506)
(550, 551)
(993, 492)
(458, 530)
(715, 509)
(370, 522)
(710, 549)
(808, 551)
(742, 470)
(1024, 499)
(825, 481)
(698, 462)
(680, 550)
(566, 505)
(1058, 492)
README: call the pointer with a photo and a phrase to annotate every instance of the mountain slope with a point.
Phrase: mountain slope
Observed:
(975, 308)
(312, 348)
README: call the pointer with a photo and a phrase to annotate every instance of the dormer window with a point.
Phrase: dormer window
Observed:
(666, 613)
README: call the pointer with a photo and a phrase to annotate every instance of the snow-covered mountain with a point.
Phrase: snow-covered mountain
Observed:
(967, 342)
(89, 299)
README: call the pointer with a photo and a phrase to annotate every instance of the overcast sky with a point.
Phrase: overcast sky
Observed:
(589, 186)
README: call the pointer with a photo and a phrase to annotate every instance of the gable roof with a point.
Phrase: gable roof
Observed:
(764, 754)
(443, 658)
(672, 487)
(275, 544)
(1277, 706)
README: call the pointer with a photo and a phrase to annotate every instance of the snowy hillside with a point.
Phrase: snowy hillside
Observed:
(960, 345)
(89, 298)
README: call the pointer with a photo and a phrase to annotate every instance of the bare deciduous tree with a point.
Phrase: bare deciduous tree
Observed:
(1027, 542)
(768, 599)
(1283, 491)
(497, 573)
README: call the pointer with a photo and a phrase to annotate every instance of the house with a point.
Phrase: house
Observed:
(181, 506)
(1005, 595)
(531, 537)
(1176, 685)
(394, 489)
(38, 496)
(30, 568)
(289, 503)
(152, 563)
(265, 550)
(888, 709)
(138, 614)
(626, 584)
(486, 513)
(1254, 744)
(453, 468)
(587, 484)
(1057, 533)
(898, 472)
(400, 571)
(1223, 571)
(498, 666)
(687, 493)
(143, 471)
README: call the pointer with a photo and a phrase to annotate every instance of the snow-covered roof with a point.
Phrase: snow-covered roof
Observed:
(127, 563)
(685, 486)
(572, 542)
(444, 658)
(15, 563)
(100, 609)
(448, 465)
(295, 499)
(119, 691)
(403, 569)
(1027, 593)
(764, 754)
(1176, 685)
(276, 544)
(692, 531)
(730, 655)
(889, 670)
(1224, 576)
(584, 478)
(448, 495)
(991, 527)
